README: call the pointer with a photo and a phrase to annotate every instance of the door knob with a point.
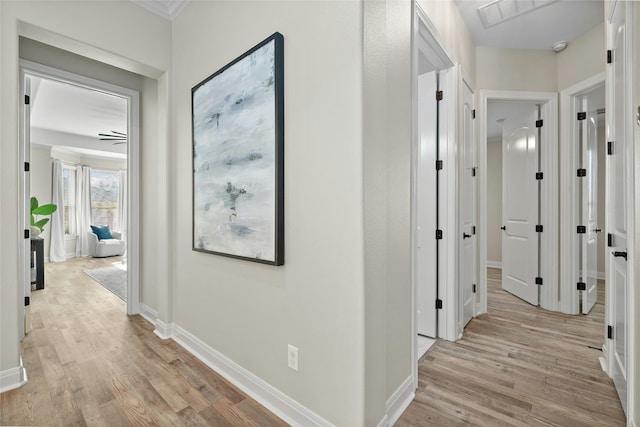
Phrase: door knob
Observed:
(598, 230)
(504, 227)
(465, 235)
(622, 254)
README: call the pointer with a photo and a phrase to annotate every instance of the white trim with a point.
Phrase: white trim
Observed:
(601, 275)
(384, 422)
(549, 102)
(399, 401)
(264, 393)
(494, 264)
(163, 330)
(133, 163)
(148, 313)
(13, 378)
(168, 9)
(569, 295)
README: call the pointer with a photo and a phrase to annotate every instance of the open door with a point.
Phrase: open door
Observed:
(587, 175)
(618, 196)
(468, 201)
(520, 201)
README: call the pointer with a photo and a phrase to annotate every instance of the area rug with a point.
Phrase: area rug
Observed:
(113, 279)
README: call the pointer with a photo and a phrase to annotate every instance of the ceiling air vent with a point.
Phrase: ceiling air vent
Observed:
(501, 10)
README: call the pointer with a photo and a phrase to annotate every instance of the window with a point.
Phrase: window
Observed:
(104, 198)
(69, 196)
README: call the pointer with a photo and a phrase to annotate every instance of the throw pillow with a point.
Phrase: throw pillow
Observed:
(102, 232)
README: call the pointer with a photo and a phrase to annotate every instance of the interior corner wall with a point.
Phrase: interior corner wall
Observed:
(41, 53)
(516, 69)
(445, 16)
(248, 311)
(584, 57)
(105, 27)
(494, 200)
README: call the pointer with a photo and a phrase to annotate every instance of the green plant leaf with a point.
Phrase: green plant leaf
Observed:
(40, 224)
(33, 219)
(34, 203)
(45, 209)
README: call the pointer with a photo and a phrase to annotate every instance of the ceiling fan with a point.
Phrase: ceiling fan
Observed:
(116, 137)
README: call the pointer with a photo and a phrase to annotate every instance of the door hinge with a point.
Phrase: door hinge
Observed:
(582, 172)
(582, 115)
(473, 230)
(582, 286)
(473, 171)
(438, 304)
(620, 254)
(438, 234)
(439, 164)
(539, 175)
(538, 280)
(27, 301)
(473, 114)
(27, 100)
(539, 123)
(439, 95)
(610, 240)
(26, 166)
(473, 288)
(581, 229)
(609, 147)
(609, 56)
(26, 234)
(539, 228)
(610, 332)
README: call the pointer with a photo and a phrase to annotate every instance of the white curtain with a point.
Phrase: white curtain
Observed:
(57, 250)
(83, 208)
(122, 204)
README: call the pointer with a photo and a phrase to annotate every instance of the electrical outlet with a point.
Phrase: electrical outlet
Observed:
(292, 357)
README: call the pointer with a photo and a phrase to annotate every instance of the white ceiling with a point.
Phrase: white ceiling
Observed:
(71, 116)
(538, 29)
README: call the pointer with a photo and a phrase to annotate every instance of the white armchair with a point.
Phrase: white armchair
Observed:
(106, 247)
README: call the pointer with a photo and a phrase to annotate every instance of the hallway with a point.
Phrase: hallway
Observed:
(518, 365)
(90, 364)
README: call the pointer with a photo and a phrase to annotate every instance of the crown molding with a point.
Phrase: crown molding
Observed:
(168, 9)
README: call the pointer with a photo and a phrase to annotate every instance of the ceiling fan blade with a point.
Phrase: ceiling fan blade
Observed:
(120, 142)
(119, 133)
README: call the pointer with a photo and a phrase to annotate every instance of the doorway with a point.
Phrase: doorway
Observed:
(127, 217)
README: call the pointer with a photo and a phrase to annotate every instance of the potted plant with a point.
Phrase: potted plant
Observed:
(38, 226)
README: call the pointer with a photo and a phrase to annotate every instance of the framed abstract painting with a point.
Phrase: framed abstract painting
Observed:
(238, 157)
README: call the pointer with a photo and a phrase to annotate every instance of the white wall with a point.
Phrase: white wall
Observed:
(516, 69)
(250, 312)
(101, 30)
(584, 57)
(494, 200)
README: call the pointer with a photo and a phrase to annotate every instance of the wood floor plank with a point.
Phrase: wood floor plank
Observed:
(90, 364)
(518, 365)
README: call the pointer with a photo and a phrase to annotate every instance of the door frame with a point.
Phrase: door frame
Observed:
(426, 40)
(549, 197)
(133, 166)
(569, 294)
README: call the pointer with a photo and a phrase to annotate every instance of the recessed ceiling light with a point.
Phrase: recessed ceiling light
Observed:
(559, 46)
(501, 10)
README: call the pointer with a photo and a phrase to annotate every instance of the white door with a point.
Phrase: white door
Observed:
(617, 169)
(520, 206)
(426, 206)
(25, 210)
(467, 203)
(589, 153)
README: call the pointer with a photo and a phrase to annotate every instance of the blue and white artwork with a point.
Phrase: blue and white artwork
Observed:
(235, 158)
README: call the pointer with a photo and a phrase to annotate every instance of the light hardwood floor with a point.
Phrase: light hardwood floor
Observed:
(518, 365)
(90, 364)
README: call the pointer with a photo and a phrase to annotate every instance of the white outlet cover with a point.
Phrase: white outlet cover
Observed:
(292, 357)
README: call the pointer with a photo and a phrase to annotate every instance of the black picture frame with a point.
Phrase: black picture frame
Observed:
(238, 157)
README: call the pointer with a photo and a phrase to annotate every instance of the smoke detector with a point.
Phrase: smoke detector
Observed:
(559, 46)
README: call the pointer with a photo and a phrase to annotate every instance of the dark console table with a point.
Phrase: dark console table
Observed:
(37, 252)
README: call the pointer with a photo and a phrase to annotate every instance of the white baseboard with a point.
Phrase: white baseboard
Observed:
(273, 399)
(13, 378)
(494, 264)
(400, 400)
(601, 275)
(163, 330)
(148, 313)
